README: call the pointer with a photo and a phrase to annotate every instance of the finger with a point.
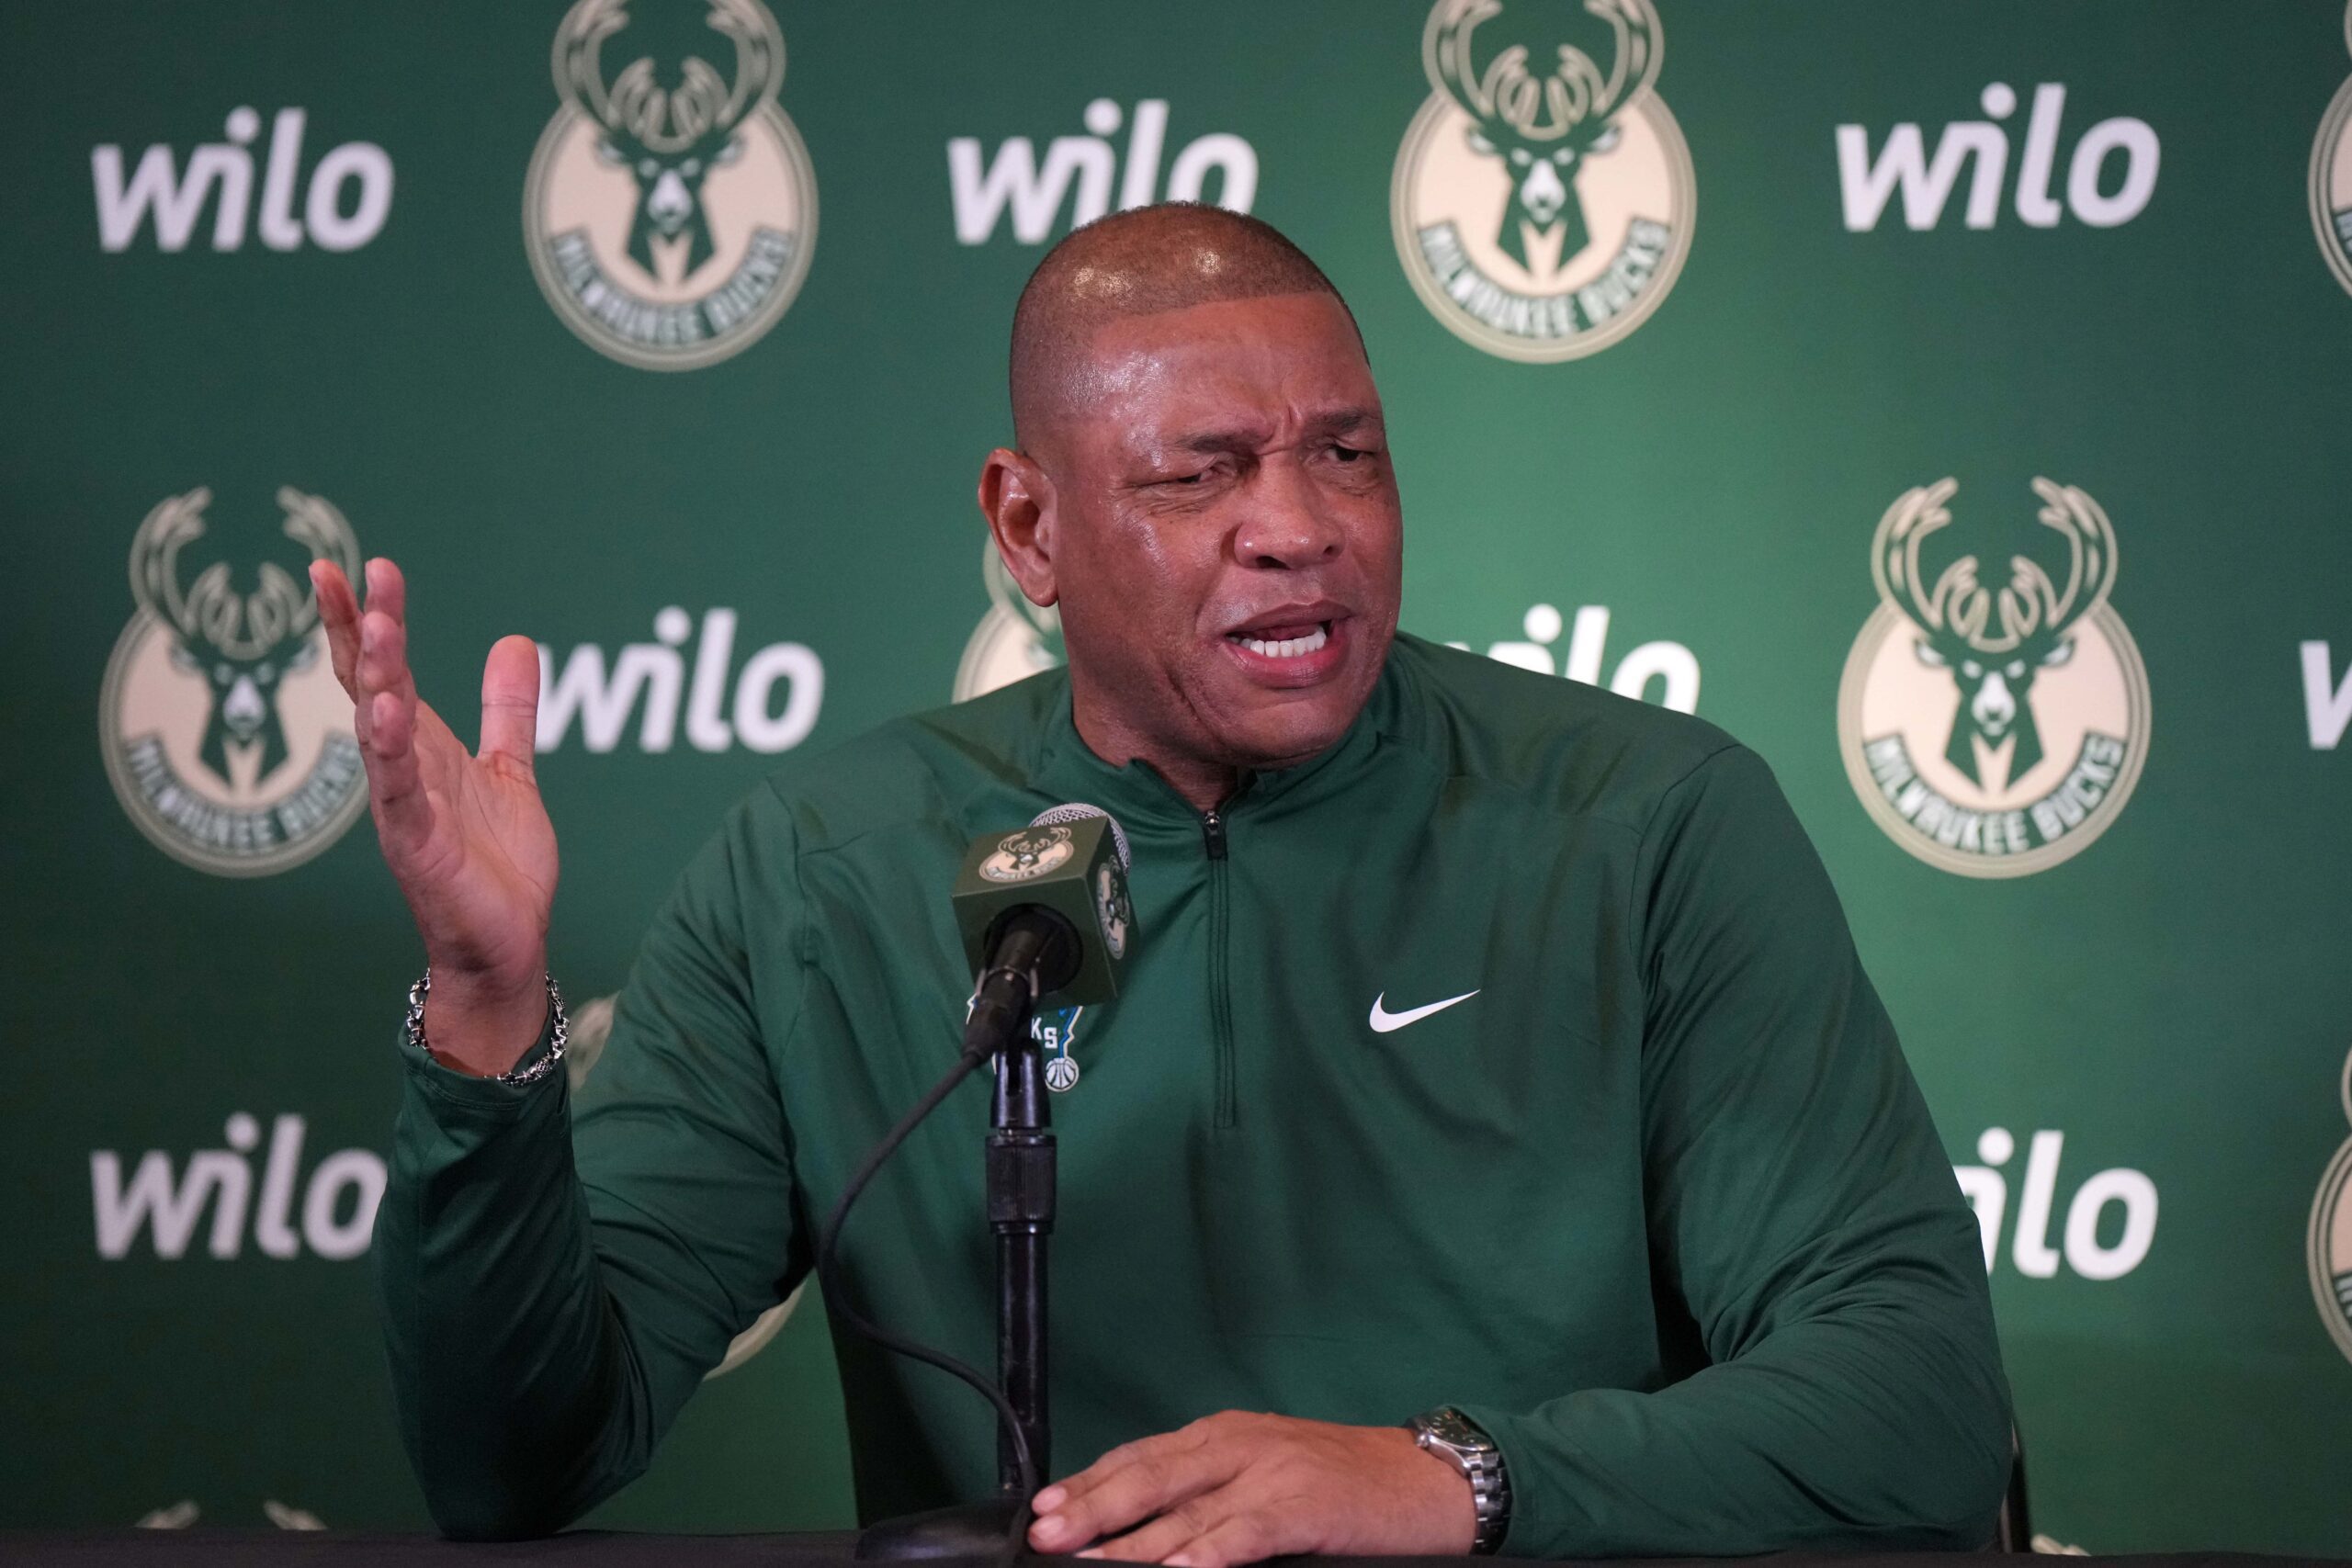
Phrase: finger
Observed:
(387, 589)
(1157, 1475)
(383, 655)
(1249, 1535)
(510, 701)
(1178, 1528)
(395, 785)
(339, 613)
(1142, 1450)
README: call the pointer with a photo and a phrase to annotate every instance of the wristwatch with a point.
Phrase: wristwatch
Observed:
(1454, 1437)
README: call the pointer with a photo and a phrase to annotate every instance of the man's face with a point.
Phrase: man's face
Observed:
(1225, 532)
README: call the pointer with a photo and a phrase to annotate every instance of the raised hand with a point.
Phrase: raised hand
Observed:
(466, 835)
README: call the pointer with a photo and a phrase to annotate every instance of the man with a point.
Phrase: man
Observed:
(1495, 1054)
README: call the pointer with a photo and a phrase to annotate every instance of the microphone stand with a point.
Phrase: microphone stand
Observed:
(1021, 1184)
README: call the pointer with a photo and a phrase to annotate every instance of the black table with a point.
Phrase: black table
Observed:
(606, 1549)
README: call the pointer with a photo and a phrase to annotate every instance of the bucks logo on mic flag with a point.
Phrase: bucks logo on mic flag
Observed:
(1071, 867)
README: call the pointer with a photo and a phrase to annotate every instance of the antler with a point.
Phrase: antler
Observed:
(1956, 602)
(669, 120)
(281, 608)
(155, 559)
(579, 41)
(1576, 101)
(2032, 602)
(759, 59)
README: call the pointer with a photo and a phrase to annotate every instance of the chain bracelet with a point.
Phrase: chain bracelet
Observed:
(558, 1037)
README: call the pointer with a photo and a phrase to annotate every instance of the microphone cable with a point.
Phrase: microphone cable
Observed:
(837, 1303)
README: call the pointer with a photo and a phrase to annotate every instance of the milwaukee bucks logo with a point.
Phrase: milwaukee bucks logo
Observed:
(2332, 176)
(1542, 200)
(670, 209)
(1994, 731)
(1015, 639)
(227, 737)
(2329, 1246)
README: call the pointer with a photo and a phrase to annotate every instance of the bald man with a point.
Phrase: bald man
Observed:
(1495, 1107)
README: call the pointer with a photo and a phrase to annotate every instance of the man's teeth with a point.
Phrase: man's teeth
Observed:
(1289, 647)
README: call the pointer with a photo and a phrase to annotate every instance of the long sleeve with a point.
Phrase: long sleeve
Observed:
(1801, 1213)
(556, 1276)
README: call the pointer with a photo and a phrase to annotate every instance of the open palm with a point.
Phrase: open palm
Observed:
(466, 835)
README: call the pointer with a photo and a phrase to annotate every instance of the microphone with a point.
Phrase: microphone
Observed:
(1051, 899)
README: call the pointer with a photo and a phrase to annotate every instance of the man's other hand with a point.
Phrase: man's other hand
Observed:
(1234, 1488)
(466, 836)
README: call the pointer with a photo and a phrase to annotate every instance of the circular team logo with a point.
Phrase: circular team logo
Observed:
(1033, 852)
(1994, 731)
(1544, 199)
(2330, 1245)
(1014, 640)
(2332, 176)
(670, 225)
(1113, 912)
(227, 737)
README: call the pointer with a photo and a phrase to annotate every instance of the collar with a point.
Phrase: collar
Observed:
(1146, 805)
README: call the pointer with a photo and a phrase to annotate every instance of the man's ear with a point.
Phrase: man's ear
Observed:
(1018, 501)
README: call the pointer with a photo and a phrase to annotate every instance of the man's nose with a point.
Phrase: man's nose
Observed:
(1286, 529)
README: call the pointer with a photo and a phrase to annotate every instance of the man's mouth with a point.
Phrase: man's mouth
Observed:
(1284, 642)
(1296, 646)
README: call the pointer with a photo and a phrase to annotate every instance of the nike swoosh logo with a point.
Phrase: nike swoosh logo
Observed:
(1383, 1020)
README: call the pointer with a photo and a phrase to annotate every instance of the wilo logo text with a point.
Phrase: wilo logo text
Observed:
(2327, 702)
(1088, 165)
(601, 695)
(2124, 1189)
(338, 1202)
(344, 203)
(1866, 185)
(1674, 667)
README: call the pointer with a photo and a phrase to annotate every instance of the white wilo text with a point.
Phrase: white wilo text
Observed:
(1035, 192)
(1866, 185)
(177, 197)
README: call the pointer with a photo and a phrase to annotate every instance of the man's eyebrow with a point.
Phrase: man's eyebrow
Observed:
(1248, 438)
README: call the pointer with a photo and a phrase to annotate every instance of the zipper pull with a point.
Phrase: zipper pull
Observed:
(1213, 834)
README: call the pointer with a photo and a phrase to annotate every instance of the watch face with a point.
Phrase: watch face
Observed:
(1450, 1427)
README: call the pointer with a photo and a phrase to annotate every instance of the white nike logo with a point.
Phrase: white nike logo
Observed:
(1383, 1020)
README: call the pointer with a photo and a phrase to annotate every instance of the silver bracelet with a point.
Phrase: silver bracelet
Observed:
(556, 1038)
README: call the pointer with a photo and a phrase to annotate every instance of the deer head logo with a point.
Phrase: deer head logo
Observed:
(1543, 113)
(669, 139)
(1994, 640)
(244, 646)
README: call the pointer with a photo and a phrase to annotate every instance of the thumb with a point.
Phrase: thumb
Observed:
(510, 701)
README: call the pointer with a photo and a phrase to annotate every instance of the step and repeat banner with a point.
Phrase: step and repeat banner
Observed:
(1949, 399)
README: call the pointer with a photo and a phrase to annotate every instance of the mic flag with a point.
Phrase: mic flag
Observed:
(1072, 864)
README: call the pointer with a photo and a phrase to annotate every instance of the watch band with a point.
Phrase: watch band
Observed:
(1454, 1437)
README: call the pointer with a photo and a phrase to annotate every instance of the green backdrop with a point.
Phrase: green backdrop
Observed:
(1676, 382)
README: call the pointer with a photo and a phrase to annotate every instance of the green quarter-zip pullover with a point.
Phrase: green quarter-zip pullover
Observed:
(1512, 1054)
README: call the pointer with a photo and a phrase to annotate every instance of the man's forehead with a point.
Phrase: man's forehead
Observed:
(1291, 358)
